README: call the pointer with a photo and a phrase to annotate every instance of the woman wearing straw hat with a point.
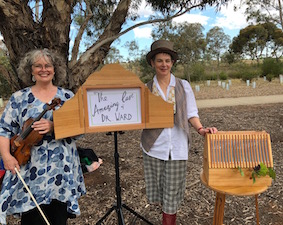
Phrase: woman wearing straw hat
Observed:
(165, 151)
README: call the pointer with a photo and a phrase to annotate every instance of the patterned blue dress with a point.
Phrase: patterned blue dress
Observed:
(54, 171)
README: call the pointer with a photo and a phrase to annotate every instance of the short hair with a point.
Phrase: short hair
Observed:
(25, 66)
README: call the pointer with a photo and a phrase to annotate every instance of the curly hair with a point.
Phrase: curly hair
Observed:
(25, 66)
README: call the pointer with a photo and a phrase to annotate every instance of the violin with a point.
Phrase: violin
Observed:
(20, 144)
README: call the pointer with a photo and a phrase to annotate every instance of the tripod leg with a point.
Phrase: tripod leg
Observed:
(120, 217)
(136, 214)
(105, 216)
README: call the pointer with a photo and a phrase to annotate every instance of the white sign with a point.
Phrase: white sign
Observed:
(114, 106)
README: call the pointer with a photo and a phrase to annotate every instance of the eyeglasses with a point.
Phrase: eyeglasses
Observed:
(40, 67)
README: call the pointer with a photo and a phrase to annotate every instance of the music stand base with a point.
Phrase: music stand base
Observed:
(120, 215)
(119, 205)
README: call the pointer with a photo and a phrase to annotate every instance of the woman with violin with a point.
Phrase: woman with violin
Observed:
(51, 168)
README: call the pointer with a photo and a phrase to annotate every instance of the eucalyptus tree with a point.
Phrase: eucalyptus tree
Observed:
(133, 50)
(274, 44)
(262, 11)
(188, 39)
(255, 39)
(251, 42)
(98, 23)
(217, 42)
(189, 42)
(113, 56)
(134, 56)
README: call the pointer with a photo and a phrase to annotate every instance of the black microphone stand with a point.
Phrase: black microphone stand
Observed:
(119, 205)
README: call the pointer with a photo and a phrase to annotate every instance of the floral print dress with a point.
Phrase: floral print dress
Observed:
(54, 170)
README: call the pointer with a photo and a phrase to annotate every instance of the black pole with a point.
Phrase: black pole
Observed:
(118, 207)
(118, 186)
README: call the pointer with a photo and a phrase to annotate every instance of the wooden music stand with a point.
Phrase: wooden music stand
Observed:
(224, 153)
(107, 102)
(74, 117)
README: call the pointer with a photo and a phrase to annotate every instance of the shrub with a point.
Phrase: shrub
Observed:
(243, 71)
(271, 66)
(197, 72)
(223, 76)
(269, 77)
(248, 75)
(235, 74)
(211, 76)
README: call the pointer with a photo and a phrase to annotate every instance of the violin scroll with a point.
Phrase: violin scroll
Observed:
(53, 104)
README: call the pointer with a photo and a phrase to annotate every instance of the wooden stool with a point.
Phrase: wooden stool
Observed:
(221, 191)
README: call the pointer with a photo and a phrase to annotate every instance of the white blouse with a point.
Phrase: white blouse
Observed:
(173, 142)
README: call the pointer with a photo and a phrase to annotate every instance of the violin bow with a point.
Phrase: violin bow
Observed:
(31, 195)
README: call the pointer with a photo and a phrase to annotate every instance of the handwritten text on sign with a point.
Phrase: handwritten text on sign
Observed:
(114, 106)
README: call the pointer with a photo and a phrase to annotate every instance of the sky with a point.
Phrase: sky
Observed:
(229, 20)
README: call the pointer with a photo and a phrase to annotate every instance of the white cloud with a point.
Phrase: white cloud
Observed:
(230, 19)
(143, 32)
(145, 10)
(192, 18)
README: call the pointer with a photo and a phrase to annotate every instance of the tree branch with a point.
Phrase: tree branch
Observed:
(280, 13)
(96, 46)
(75, 49)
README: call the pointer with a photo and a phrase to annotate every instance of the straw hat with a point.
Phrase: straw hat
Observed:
(161, 46)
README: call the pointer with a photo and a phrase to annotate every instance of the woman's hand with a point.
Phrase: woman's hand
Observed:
(202, 131)
(43, 126)
(10, 163)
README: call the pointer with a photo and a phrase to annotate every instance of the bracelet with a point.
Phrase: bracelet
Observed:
(200, 129)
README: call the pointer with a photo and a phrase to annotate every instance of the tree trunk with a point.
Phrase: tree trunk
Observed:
(10, 78)
(94, 56)
(22, 34)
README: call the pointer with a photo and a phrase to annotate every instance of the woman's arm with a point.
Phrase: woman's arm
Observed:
(195, 122)
(10, 161)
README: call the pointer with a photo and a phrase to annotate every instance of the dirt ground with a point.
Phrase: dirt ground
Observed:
(198, 205)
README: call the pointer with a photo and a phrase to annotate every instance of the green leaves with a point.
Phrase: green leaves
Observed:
(271, 173)
(261, 170)
(241, 171)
